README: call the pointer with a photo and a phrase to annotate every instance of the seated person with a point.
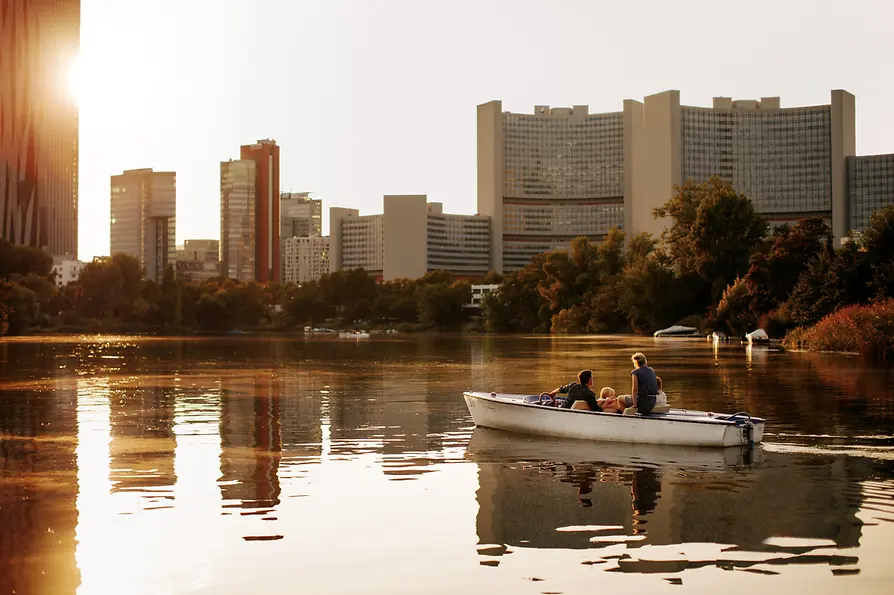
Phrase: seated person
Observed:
(661, 400)
(579, 392)
(609, 402)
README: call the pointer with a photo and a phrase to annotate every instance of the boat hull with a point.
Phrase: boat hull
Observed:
(679, 427)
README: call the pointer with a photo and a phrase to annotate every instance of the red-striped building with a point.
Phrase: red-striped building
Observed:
(265, 154)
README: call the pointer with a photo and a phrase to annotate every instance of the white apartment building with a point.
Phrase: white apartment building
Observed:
(478, 293)
(356, 241)
(304, 259)
(67, 270)
(558, 173)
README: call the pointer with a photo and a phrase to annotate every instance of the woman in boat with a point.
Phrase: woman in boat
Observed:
(645, 384)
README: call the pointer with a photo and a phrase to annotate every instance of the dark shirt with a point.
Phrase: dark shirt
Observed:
(577, 392)
(646, 381)
(646, 388)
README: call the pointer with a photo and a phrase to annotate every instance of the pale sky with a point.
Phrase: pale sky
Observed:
(373, 97)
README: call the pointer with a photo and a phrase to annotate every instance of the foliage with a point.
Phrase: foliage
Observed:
(22, 260)
(878, 241)
(867, 329)
(441, 305)
(714, 232)
(774, 273)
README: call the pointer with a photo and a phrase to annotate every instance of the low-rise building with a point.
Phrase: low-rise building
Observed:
(478, 293)
(198, 260)
(409, 239)
(305, 259)
(67, 270)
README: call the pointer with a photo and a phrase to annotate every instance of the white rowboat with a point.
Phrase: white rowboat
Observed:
(681, 427)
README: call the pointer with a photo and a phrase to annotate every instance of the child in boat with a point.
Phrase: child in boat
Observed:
(661, 399)
(609, 401)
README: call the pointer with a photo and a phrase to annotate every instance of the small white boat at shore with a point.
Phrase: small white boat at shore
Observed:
(758, 337)
(354, 335)
(677, 331)
(523, 414)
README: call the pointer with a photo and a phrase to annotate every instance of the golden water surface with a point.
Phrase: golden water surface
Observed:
(324, 465)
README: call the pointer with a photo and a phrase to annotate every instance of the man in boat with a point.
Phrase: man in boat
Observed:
(579, 392)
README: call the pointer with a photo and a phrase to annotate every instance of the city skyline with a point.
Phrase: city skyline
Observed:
(373, 117)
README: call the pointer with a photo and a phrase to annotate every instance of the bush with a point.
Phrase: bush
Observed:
(867, 330)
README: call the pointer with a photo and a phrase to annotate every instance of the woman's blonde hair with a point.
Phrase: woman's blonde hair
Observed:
(640, 359)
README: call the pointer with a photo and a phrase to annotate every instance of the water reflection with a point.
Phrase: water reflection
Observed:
(150, 466)
(569, 494)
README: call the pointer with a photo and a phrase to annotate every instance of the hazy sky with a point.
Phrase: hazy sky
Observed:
(378, 97)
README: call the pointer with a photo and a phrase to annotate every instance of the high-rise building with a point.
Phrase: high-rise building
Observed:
(547, 177)
(265, 154)
(238, 187)
(39, 41)
(304, 259)
(409, 239)
(870, 182)
(143, 218)
(300, 215)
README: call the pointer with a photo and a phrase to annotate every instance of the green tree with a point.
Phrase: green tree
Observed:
(171, 305)
(835, 279)
(517, 305)
(774, 273)
(442, 306)
(23, 260)
(714, 232)
(22, 307)
(878, 239)
(734, 314)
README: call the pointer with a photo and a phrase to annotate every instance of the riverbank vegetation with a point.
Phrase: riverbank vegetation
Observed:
(717, 267)
(112, 296)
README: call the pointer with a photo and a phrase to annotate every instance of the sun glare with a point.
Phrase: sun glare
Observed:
(74, 80)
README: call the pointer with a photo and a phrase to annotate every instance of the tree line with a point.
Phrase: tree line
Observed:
(716, 266)
(112, 295)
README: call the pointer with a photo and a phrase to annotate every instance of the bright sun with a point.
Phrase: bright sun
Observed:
(74, 82)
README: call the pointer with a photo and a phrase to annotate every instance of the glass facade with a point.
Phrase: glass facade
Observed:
(573, 219)
(237, 219)
(870, 186)
(550, 156)
(781, 159)
(519, 252)
(563, 178)
(459, 244)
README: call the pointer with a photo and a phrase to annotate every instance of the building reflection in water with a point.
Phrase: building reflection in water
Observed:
(251, 440)
(669, 495)
(38, 516)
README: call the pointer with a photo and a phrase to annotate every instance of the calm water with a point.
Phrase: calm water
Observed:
(336, 466)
